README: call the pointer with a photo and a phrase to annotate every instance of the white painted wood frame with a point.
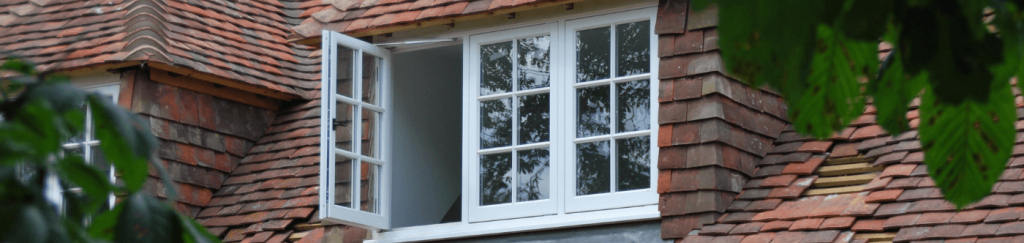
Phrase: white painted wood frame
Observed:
(328, 153)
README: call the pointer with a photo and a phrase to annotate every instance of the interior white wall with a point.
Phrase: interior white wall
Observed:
(427, 94)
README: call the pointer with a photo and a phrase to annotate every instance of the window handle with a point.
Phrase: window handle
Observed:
(337, 123)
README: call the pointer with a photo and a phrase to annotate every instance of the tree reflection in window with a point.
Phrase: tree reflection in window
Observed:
(496, 68)
(633, 48)
(534, 118)
(634, 106)
(633, 163)
(534, 62)
(592, 54)
(496, 123)
(593, 173)
(593, 115)
(533, 177)
(495, 178)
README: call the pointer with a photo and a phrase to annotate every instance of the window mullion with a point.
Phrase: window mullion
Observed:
(515, 119)
(357, 119)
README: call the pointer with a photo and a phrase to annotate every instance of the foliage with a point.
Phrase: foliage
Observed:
(46, 113)
(822, 56)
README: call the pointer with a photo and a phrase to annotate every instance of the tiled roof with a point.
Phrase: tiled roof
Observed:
(356, 16)
(864, 185)
(243, 41)
(274, 190)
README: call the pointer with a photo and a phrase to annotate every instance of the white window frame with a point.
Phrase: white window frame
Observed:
(328, 101)
(481, 221)
(53, 189)
(471, 136)
(612, 199)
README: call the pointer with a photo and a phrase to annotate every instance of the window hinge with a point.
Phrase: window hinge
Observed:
(337, 123)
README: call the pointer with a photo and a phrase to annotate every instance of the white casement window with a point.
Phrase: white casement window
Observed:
(353, 142)
(85, 145)
(561, 114)
(556, 129)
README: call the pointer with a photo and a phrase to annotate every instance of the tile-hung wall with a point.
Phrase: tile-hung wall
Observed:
(713, 129)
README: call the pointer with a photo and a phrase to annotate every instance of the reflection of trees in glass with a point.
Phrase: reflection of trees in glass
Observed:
(495, 178)
(496, 123)
(534, 118)
(593, 174)
(534, 62)
(496, 68)
(634, 163)
(592, 54)
(593, 113)
(634, 106)
(633, 49)
(533, 175)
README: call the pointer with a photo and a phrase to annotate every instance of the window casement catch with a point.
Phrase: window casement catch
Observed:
(337, 123)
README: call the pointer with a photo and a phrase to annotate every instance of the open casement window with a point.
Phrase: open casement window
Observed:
(611, 60)
(510, 173)
(353, 157)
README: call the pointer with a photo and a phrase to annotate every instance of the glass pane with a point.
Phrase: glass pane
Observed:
(371, 78)
(371, 136)
(534, 62)
(593, 49)
(99, 161)
(344, 71)
(343, 181)
(634, 163)
(496, 68)
(495, 178)
(496, 123)
(593, 168)
(75, 151)
(344, 128)
(533, 183)
(78, 138)
(593, 116)
(534, 118)
(633, 48)
(634, 106)
(370, 188)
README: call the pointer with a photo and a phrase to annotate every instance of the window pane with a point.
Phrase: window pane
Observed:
(593, 49)
(371, 78)
(371, 138)
(98, 160)
(496, 123)
(593, 168)
(534, 62)
(633, 48)
(79, 151)
(344, 128)
(634, 163)
(78, 138)
(496, 68)
(344, 72)
(533, 183)
(593, 116)
(495, 178)
(634, 106)
(343, 181)
(534, 118)
(370, 188)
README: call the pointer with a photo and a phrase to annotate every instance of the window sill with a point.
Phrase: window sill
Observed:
(465, 230)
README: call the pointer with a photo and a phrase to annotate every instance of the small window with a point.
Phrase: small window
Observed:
(353, 152)
(85, 145)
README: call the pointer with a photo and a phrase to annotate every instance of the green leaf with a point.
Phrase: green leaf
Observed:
(23, 223)
(127, 141)
(94, 183)
(145, 219)
(832, 98)
(893, 92)
(103, 225)
(18, 65)
(866, 20)
(967, 145)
